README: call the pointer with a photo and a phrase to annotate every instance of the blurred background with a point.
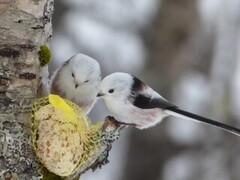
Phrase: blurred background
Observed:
(189, 51)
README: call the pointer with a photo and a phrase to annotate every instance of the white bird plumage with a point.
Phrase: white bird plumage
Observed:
(134, 102)
(77, 80)
(119, 101)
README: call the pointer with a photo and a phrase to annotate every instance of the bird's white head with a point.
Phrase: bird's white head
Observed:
(116, 86)
(82, 70)
(77, 80)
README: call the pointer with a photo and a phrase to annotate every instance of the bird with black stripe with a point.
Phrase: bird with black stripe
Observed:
(135, 103)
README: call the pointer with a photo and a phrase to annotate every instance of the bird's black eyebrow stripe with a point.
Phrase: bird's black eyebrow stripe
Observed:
(66, 62)
(137, 84)
(145, 102)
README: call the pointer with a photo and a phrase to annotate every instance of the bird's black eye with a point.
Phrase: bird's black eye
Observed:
(73, 75)
(111, 91)
(86, 81)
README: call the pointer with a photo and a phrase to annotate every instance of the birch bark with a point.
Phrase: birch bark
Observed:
(25, 25)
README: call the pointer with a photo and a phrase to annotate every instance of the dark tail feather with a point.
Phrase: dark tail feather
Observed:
(187, 115)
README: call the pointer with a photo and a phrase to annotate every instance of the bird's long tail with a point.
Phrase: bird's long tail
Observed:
(174, 111)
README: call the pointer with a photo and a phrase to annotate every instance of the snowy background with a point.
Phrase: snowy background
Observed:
(188, 50)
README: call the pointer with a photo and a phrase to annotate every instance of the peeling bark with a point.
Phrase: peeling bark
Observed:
(24, 26)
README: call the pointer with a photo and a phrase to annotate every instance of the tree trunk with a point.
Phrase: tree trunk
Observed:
(25, 25)
(173, 27)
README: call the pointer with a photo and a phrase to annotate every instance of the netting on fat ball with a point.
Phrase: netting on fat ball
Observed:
(63, 136)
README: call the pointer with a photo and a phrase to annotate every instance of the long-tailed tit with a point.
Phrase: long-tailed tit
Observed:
(77, 80)
(136, 103)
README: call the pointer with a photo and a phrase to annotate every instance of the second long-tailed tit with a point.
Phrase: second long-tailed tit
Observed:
(137, 104)
(77, 80)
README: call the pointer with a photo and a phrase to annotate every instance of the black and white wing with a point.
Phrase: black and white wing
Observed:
(142, 96)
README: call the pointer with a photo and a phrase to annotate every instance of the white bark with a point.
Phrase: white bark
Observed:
(25, 25)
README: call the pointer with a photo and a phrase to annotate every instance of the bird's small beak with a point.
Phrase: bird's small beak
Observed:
(100, 94)
(76, 85)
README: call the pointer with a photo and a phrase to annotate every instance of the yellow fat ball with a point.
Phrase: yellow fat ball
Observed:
(63, 136)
